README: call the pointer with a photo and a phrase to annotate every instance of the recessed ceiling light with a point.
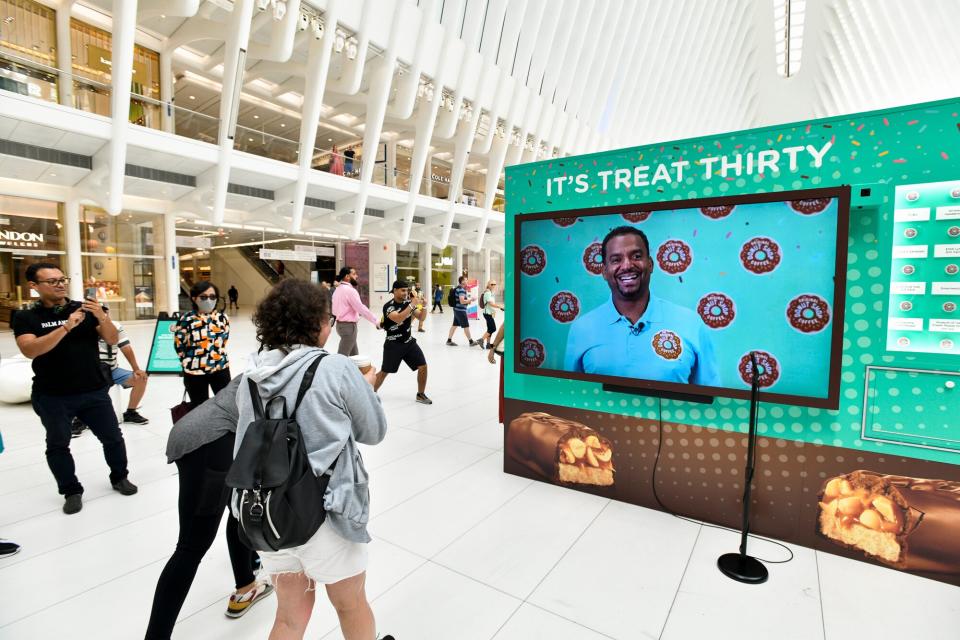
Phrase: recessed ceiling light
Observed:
(193, 97)
(250, 139)
(329, 139)
(53, 175)
(282, 124)
(256, 117)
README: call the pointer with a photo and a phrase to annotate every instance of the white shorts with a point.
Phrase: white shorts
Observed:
(325, 558)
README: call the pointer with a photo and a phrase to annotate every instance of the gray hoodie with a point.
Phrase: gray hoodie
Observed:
(339, 410)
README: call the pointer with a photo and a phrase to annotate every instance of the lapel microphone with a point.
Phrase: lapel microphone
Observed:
(635, 331)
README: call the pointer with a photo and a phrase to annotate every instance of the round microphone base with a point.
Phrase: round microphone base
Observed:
(742, 568)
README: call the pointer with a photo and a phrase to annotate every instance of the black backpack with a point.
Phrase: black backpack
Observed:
(279, 498)
(452, 298)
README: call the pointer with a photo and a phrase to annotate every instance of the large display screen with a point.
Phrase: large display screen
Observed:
(675, 296)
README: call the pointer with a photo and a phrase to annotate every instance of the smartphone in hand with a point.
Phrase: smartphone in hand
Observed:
(90, 293)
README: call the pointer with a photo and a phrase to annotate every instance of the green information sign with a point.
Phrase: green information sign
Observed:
(925, 278)
(163, 357)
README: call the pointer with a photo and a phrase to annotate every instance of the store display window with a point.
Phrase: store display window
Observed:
(30, 231)
(123, 261)
(28, 49)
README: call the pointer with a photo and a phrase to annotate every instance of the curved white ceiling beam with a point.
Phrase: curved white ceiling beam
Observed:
(282, 35)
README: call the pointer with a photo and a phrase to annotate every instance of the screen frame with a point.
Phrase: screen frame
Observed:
(652, 387)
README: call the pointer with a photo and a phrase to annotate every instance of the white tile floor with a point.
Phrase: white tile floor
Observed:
(460, 551)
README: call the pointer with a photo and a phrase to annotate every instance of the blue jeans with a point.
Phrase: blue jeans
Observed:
(94, 409)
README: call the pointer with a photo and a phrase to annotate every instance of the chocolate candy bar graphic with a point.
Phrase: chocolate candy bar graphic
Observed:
(560, 450)
(906, 523)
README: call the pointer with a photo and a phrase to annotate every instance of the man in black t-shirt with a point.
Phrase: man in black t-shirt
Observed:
(62, 337)
(400, 346)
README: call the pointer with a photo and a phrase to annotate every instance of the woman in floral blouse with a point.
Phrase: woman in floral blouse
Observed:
(200, 339)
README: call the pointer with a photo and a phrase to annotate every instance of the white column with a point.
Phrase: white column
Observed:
(171, 263)
(457, 263)
(428, 173)
(124, 29)
(64, 53)
(71, 232)
(168, 115)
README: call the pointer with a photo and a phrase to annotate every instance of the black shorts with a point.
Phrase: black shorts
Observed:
(491, 324)
(406, 352)
(460, 318)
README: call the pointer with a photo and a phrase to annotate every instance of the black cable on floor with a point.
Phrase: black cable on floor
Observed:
(653, 481)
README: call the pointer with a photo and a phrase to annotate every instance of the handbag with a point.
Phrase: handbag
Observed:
(181, 409)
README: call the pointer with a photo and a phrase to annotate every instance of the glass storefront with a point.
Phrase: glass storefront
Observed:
(123, 260)
(91, 48)
(442, 267)
(30, 232)
(408, 265)
(28, 49)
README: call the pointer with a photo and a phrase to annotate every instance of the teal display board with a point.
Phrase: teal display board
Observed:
(163, 357)
(876, 151)
(925, 269)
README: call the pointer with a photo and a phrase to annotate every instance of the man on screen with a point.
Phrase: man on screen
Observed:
(636, 334)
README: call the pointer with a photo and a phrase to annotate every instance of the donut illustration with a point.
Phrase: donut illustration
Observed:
(760, 255)
(592, 258)
(908, 269)
(949, 307)
(767, 367)
(717, 310)
(565, 222)
(808, 313)
(951, 269)
(810, 206)
(564, 307)
(532, 353)
(910, 233)
(533, 260)
(912, 196)
(953, 232)
(906, 305)
(903, 342)
(636, 216)
(674, 256)
(667, 344)
(717, 212)
(946, 344)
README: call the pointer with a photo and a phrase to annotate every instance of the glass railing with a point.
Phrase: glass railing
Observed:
(27, 77)
(264, 144)
(196, 125)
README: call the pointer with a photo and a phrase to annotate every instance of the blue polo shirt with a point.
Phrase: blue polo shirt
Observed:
(669, 343)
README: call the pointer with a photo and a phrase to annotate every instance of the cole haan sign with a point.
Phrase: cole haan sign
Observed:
(20, 239)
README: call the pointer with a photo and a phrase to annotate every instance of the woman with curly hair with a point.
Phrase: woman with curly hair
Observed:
(339, 410)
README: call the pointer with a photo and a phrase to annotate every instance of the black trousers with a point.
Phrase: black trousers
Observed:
(198, 387)
(95, 409)
(203, 497)
(437, 305)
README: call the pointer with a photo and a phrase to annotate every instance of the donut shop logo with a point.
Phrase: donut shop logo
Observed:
(733, 165)
(20, 239)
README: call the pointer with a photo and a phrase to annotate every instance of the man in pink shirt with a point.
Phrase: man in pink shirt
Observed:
(347, 308)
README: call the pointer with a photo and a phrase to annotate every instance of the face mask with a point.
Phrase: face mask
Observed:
(206, 306)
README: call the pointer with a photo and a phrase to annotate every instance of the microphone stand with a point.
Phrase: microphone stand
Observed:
(740, 566)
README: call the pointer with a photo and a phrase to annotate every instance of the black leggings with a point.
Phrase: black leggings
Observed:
(198, 387)
(203, 497)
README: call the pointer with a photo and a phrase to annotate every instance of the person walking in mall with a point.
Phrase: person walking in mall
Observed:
(418, 292)
(437, 299)
(200, 339)
(339, 410)
(233, 296)
(347, 309)
(336, 161)
(460, 318)
(61, 336)
(399, 345)
(201, 444)
(488, 304)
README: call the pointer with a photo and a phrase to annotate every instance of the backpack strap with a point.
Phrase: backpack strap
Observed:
(255, 399)
(307, 381)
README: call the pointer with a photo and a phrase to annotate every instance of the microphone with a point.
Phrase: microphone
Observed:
(635, 331)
